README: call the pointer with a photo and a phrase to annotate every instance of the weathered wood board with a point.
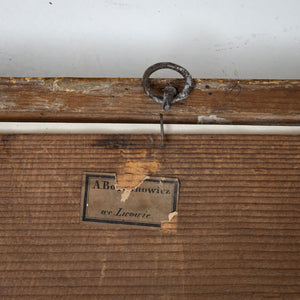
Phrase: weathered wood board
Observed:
(237, 232)
(257, 102)
(236, 236)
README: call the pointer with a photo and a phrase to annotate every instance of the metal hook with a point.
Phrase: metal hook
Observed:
(171, 94)
(167, 100)
(162, 132)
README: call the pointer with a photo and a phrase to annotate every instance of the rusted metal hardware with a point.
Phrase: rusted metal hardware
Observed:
(171, 94)
(162, 131)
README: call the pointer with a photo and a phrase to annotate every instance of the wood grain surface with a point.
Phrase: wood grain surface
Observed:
(237, 234)
(257, 102)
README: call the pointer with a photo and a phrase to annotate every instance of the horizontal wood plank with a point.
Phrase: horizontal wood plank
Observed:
(256, 102)
(237, 234)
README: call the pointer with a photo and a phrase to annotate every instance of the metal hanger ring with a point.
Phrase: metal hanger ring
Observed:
(188, 86)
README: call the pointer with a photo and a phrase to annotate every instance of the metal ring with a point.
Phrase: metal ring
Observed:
(188, 87)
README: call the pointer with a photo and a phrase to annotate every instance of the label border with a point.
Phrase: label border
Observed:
(86, 187)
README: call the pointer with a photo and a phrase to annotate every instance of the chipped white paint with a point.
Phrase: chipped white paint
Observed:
(212, 119)
(84, 86)
(172, 215)
(6, 104)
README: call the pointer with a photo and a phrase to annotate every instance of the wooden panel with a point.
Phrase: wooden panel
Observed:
(123, 100)
(236, 235)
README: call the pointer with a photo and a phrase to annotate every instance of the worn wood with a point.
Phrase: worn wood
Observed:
(123, 100)
(237, 231)
(237, 235)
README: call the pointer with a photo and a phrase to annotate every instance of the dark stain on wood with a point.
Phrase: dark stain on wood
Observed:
(5, 139)
(112, 142)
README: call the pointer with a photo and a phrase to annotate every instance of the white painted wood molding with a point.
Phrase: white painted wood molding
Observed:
(126, 128)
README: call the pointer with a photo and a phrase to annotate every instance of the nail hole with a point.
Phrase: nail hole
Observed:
(209, 94)
(207, 86)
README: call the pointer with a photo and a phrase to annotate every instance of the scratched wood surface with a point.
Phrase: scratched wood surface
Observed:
(237, 234)
(123, 100)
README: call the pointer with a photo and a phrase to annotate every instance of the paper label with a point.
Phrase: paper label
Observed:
(152, 202)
